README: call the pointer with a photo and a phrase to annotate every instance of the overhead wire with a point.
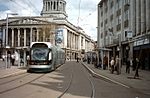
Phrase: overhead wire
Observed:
(78, 20)
(18, 4)
(33, 6)
(30, 5)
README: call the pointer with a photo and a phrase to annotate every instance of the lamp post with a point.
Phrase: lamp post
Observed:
(7, 47)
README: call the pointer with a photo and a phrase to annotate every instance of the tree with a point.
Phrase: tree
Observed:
(47, 33)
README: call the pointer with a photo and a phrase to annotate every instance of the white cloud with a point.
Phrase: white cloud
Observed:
(87, 17)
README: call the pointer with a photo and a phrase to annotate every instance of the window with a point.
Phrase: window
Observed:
(106, 21)
(101, 13)
(101, 34)
(126, 1)
(118, 27)
(119, 3)
(126, 23)
(106, 9)
(111, 4)
(111, 17)
(101, 24)
(118, 23)
(126, 15)
(118, 12)
(126, 7)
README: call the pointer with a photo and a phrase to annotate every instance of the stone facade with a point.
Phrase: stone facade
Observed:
(122, 25)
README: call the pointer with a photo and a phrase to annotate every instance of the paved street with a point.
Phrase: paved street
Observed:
(126, 80)
(73, 81)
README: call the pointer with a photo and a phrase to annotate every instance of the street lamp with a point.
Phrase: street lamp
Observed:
(7, 47)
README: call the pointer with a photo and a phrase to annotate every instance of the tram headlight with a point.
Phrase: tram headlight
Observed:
(45, 63)
(31, 63)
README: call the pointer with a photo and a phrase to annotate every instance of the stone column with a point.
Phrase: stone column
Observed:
(147, 15)
(25, 37)
(52, 5)
(133, 24)
(18, 37)
(31, 35)
(132, 15)
(138, 17)
(74, 41)
(18, 46)
(70, 45)
(46, 6)
(37, 35)
(12, 37)
(4, 37)
(44, 35)
(143, 17)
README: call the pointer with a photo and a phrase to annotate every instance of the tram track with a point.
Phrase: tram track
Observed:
(21, 82)
(68, 87)
(8, 79)
(91, 82)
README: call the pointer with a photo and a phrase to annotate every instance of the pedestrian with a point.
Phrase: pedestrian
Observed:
(8, 60)
(100, 63)
(128, 66)
(117, 65)
(28, 58)
(12, 59)
(77, 59)
(137, 67)
(134, 64)
(88, 60)
(95, 61)
(105, 62)
(112, 64)
(3, 57)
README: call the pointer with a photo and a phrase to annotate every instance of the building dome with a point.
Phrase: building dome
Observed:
(54, 8)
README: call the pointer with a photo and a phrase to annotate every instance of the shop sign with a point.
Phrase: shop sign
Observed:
(141, 42)
(128, 34)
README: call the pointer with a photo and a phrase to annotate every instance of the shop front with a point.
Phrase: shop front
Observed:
(141, 50)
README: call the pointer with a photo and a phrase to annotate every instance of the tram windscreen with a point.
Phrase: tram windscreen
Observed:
(39, 54)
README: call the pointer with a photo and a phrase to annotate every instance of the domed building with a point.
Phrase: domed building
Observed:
(52, 26)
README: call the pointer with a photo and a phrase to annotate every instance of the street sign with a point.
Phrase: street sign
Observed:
(128, 34)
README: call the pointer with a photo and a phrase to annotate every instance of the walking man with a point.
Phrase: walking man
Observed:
(128, 66)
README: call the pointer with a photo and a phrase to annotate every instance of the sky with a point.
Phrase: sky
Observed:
(81, 13)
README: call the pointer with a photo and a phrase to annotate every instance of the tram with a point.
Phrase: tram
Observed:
(44, 57)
